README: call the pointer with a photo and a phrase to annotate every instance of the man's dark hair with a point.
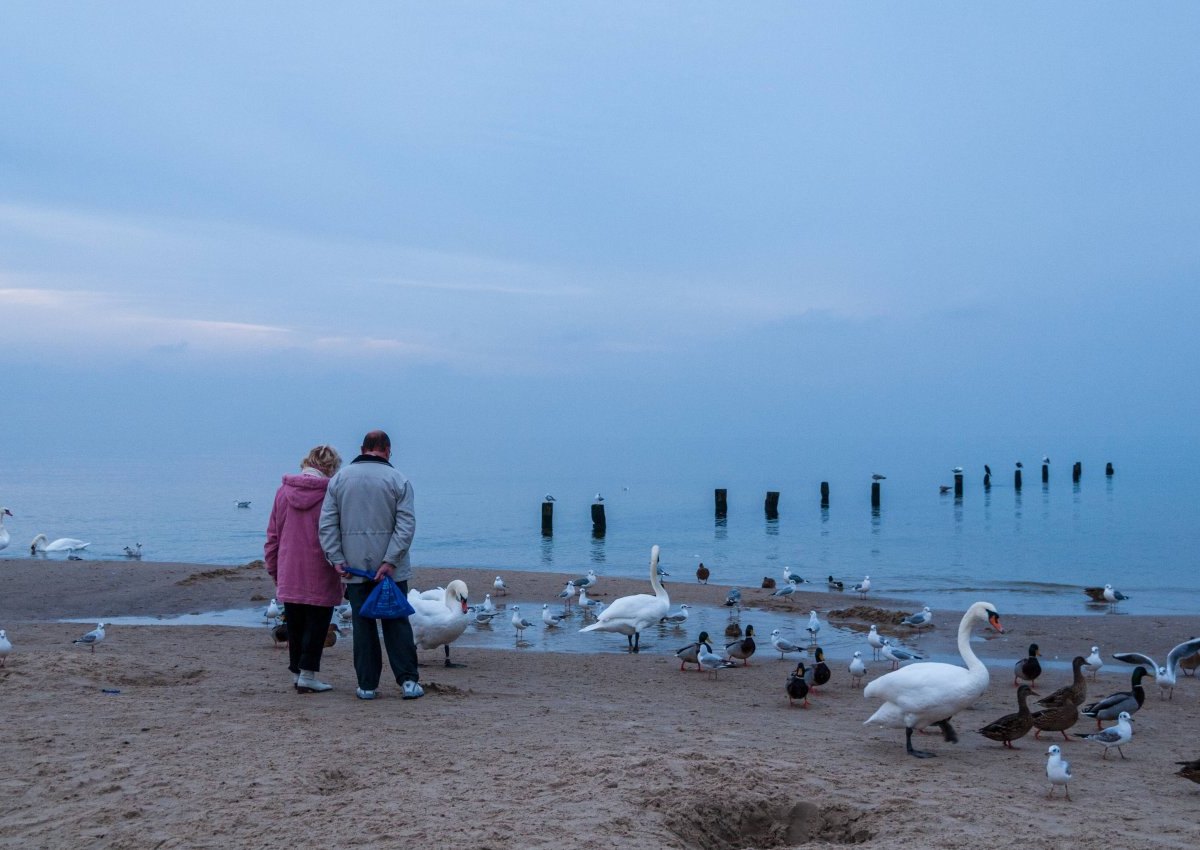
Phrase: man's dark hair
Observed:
(376, 441)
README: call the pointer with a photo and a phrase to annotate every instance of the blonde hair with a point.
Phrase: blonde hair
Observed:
(323, 458)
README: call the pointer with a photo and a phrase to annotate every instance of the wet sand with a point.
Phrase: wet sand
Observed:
(206, 744)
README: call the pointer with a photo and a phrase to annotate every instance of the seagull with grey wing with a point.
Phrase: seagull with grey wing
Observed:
(1163, 674)
(92, 638)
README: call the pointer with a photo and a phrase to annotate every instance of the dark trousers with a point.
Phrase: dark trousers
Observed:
(307, 628)
(397, 639)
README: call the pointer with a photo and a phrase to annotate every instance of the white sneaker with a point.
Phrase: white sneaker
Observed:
(364, 694)
(412, 690)
(308, 683)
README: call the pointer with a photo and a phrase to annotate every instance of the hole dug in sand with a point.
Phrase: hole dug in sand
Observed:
(760, 824)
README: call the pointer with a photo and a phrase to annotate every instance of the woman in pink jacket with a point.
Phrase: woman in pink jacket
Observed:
(306, 582)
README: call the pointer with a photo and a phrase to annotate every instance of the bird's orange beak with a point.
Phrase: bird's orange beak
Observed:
(994, 622)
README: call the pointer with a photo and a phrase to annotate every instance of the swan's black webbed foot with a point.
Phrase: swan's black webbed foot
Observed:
(921, 754)
(947, 730)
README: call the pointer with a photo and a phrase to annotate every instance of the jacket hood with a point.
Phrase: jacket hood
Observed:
(304, 492)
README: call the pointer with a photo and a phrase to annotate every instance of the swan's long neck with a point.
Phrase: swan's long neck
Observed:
(659, 590)
(964, 644)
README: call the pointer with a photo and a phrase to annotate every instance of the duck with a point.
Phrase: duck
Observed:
(702, 573)
(1113, 705)
(876, 641)
(932, 692)
(1188, 665)
(62, 544)
(821, 672)
(1058, 771)
(629, 615)
(1057, 717)
(1010, 727)
(5, 537)
(1096, 594)
(1163, 674)
(782, 644)
(1029, 667)
(439, 621)
(690, 654)
(1189, 770)
(1113, 736)
(899, 654)
(733, 629)
(1095, 662)
(134, 552)
(796, 687)
(5, 647)
(1074, 693)
(279, 634)
(834, 584)
(742, 648)
(332, 635)
(814, 626)
(857, 668)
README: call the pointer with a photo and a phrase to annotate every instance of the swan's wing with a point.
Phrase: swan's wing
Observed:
(1138, 658)
(1181, 652)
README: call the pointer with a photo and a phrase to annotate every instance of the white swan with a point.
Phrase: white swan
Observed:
(62, 544)
(439, 622)
(630, 614)
(930, 692)
(4, 535)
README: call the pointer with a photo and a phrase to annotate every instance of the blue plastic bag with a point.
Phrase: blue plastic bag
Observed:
(386, 602)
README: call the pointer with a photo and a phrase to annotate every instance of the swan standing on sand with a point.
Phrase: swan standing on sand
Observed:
(441, 620)
(62, 544)
(629, 615)
(4, 535)
(930, 692)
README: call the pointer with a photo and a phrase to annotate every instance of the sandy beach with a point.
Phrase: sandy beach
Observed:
(205, 743)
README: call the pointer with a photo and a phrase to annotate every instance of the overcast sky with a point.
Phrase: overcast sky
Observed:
(627, 234)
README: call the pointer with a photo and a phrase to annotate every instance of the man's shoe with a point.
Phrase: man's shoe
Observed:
(412, 690)
(361, 694)
(308, 683)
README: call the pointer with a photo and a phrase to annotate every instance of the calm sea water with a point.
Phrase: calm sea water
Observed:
(1028, 552)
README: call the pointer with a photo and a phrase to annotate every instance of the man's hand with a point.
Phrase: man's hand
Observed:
(385, 569)
(340, 569)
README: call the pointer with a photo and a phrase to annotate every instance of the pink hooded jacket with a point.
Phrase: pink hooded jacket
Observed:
(292, 553)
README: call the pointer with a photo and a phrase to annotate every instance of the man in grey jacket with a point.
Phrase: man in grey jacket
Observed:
(367, 522)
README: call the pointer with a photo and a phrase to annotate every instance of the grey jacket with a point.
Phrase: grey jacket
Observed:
(367, 517)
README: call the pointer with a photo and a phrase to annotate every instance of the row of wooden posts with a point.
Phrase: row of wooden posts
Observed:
(771, 503)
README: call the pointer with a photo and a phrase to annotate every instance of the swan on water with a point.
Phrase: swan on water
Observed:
(439, 621)
(62, 544)
(4, 535)
(629, 615)
(931, 692)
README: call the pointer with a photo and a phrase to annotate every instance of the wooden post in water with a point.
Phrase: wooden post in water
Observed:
(1045, 473)
(771, 504)
(987, 481)
(719, 496)
(875, 494)
(1077, 471)
(1017, 479)
(824, 494)
(1108, 468)
(599, 525)
(547, 519)
(958, 478)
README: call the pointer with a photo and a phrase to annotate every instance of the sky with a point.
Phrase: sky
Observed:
(643, 237)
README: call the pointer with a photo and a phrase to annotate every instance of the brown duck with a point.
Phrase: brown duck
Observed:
(1010, 727)
(1076, 692)
(1056, 718)
(1189, 770)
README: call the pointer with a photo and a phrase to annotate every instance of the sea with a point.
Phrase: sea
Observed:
(1031, 550)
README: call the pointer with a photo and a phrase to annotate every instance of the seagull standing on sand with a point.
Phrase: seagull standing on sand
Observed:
(710, 661)
(1113, 736)
(787, 590)
(863, 587)
(919, 620)
(92, 638)
(876, 640)
(5, 647)
(585, 581)
(783, 644)
(499, 586)
(1058, 771)
(1094, 661)
(857, 668)
(273, 612)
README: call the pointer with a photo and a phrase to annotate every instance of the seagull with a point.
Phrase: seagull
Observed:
(878, 477)
(5, 647)
(944, 488)
(898, 654)
(484, 618)
(599, 498)
(567, 594)
(690, 654)
(702, 573)
(733, 599)
(783, 644)
(1020, 465)
(500, 586)
(242, 503)
(787, 590)
(1058, 771)
(1094, 661)
(919, 620)
(1045, 458)
(1112, 597)
(788, 575)
(1164, 674)
(814, 626)
(876, 641)
(1113, 736)
(134, 552)
(92, 638)
(587, 580)
(679, 617)
(551, 620)
(273, 612)
(863, 587)
(857, 668)
(710, 661)
(957, 470)
(344, 612)
(519, 622)
(549, 498)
